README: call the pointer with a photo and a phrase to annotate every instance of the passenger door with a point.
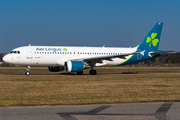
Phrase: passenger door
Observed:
(29, 53)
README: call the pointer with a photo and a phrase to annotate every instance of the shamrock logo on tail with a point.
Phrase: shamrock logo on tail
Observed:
(64, 49)
(152, 40)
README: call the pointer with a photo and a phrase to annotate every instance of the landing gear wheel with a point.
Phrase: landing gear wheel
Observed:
(27, 70)
(79, 73)
(92, 72)
(27, 73)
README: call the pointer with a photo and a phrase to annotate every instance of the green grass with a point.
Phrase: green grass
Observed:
(66, 89)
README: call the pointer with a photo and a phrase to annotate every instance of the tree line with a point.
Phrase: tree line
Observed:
(170, 59)
(1, 56)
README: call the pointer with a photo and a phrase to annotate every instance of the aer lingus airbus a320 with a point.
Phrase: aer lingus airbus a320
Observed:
(76, 59)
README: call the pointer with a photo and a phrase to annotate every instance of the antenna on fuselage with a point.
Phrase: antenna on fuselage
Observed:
(29, 44)
(103, 46)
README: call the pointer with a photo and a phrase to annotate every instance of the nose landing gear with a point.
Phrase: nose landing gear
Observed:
(27, 70)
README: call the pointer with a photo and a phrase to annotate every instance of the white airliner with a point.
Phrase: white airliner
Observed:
(76, 59)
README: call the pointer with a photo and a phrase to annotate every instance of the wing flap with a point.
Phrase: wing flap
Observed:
(107, 57)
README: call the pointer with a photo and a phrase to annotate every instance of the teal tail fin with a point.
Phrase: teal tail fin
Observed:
(152, 39)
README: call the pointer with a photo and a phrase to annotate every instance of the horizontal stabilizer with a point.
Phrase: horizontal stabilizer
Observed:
(156, 53)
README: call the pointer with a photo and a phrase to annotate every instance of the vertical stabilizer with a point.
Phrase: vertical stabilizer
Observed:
(152, 39)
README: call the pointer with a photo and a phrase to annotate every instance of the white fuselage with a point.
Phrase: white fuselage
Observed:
(57, 55)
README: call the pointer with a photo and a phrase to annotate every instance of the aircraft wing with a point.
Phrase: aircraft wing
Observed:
(155, 53)
(108, 57)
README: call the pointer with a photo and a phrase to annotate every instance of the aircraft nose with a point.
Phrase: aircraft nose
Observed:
(5, 58)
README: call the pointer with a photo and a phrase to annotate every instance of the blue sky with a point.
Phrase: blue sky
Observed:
(114, 23)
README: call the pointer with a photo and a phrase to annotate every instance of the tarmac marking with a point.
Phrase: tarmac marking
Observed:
(99, 109)
(92, 112)
(160, 114)
(67, 117)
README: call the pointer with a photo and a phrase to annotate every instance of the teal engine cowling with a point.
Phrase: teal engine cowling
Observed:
(74, 66)
(55, 68)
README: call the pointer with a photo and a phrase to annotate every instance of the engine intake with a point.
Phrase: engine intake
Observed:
(74, 66)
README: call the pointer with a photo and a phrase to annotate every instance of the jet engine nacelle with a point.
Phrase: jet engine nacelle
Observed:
(74, 66)
(55, 68)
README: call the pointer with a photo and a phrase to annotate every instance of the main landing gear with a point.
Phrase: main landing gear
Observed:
(92, 72)
(27, 70)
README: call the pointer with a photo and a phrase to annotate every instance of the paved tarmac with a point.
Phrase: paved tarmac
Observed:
(129, 111)
(67, 74)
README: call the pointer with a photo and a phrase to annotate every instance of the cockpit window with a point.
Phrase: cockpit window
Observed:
(15, 52)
